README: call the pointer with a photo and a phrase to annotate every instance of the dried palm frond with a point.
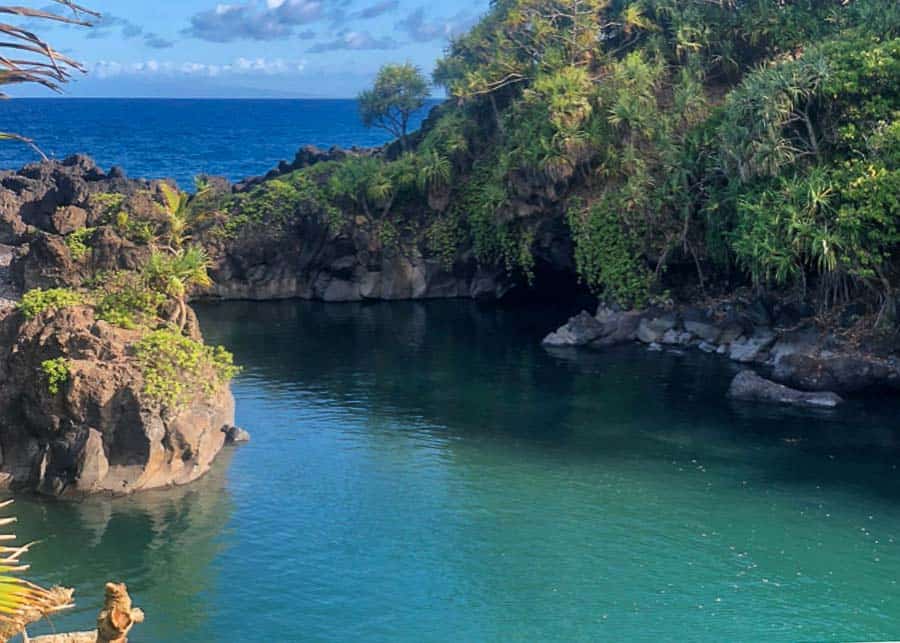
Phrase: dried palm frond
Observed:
(23, 602)
(26, 58)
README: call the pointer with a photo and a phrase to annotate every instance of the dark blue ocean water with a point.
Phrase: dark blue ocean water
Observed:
(180, 139)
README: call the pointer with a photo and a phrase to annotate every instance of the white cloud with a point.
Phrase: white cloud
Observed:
(242, 66)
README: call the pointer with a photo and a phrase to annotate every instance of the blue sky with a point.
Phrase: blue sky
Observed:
(251, 48)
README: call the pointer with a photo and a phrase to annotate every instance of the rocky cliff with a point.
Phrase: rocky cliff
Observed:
(70, 222)
(75, 416)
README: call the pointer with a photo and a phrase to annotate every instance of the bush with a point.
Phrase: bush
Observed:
(35, 302)
(177, 368)
(607, 257)
(78, 242)
(124, 299)
(56, 373)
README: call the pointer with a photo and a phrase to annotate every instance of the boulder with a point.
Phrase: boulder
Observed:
(235, 435)
(750, 387)
(652, 329)
(804, 341)
(844, 373)
(619, 326)
(754, 348)
(729, 333)
(68, 219)
(609, 328)
(580, 330)
(700, 325)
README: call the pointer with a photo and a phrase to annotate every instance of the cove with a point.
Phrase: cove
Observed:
(427, 471)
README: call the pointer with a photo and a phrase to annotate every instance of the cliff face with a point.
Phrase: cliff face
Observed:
(306, 260)
(43, 207)
(86, 425)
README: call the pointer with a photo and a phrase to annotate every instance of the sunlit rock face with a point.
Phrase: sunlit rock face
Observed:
(97, 432)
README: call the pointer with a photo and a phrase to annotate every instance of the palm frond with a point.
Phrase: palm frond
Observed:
(23, 602)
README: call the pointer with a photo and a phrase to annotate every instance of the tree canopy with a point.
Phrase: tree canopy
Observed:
(399, 91)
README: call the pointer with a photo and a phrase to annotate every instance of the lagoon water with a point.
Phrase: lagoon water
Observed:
(428, 472)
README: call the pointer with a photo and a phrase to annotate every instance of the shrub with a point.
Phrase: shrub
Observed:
(78, 242)
(125, 300)
(34, 302)
(56, 373)
(606, 256)
(176, 368)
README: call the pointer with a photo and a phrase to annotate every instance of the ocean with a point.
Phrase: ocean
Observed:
(179, 139)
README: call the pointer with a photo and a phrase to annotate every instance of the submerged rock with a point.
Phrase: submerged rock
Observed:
(749, 386)
(92, 427)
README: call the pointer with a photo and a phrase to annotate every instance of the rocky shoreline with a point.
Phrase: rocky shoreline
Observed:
(75, 417)
(67, 224)
(797, 356)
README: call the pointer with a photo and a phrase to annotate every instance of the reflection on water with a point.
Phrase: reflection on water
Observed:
(426, 471)
(162, 543)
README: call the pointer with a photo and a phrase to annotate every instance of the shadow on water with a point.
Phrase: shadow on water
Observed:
(477, 370)
(161, 543)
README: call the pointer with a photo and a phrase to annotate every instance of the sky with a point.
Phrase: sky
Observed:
(249, 48)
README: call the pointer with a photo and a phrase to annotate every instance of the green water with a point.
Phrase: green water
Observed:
(427, 472)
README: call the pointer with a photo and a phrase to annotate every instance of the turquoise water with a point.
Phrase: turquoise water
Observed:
(427, 472)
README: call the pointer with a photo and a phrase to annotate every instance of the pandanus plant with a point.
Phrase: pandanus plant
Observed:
(175, 273)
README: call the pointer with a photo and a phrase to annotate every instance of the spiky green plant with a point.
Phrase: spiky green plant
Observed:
(174, 274)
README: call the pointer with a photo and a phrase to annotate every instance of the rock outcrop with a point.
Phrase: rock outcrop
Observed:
(306, 156)
(802, 356)
(42, 204)
(94, 429)
(307, 261)
(750, 387)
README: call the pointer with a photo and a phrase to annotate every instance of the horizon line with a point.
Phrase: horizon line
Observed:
(350, 98)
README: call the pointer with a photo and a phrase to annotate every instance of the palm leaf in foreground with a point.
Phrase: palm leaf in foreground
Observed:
(23, 602)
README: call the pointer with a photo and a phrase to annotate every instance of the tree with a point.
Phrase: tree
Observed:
(399, 91)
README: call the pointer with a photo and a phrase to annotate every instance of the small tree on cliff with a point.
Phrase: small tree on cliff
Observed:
(398, 92)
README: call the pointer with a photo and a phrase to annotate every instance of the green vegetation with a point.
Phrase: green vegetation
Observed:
(126, 300)
(79, 242)
(279, 201)
(679, 140)
(174, 365)
(399, 91)
(150, 300)
(56, 372)
(35, 302)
